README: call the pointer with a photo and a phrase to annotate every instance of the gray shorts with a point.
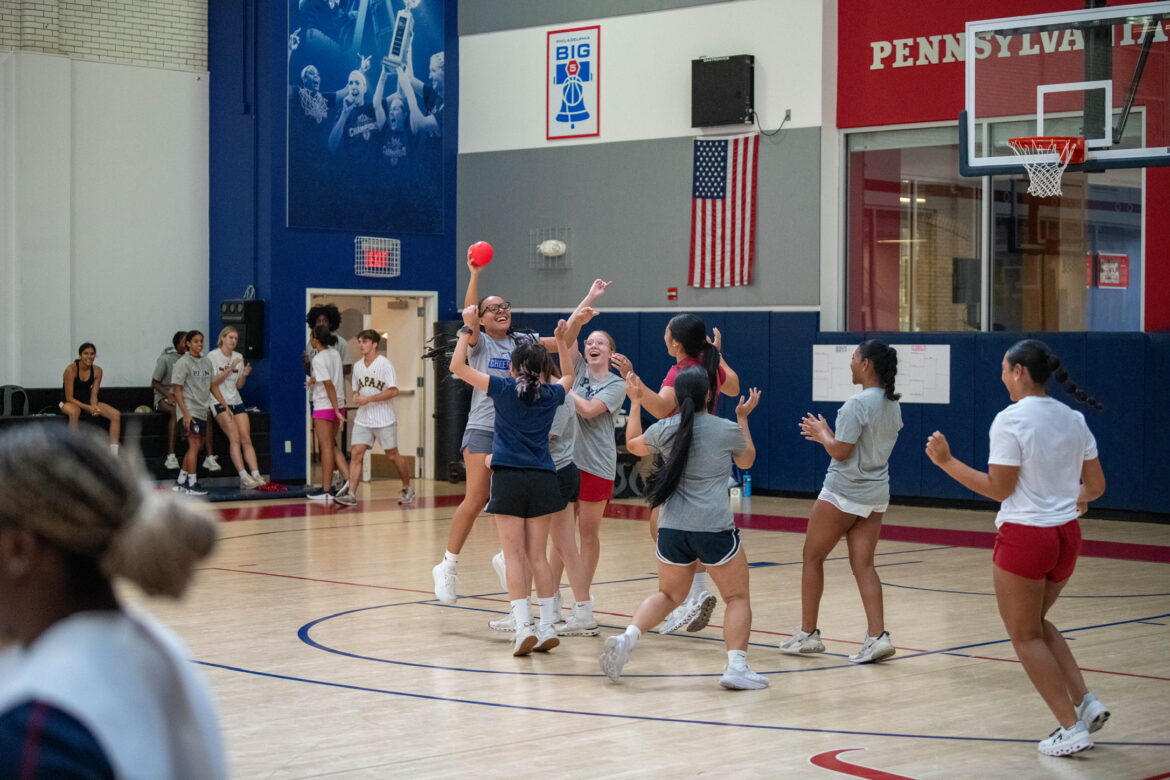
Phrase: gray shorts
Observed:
(477, 440)
(387, 436)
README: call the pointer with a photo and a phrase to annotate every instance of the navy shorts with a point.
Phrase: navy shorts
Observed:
(216, 409)
(569, 478)
(710, 548)
(524, 492)
(196, 428)
(477, 440)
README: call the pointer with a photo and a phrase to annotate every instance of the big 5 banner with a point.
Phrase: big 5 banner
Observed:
(573, 83)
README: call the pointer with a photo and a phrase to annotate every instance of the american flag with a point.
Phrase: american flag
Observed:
(723, 211)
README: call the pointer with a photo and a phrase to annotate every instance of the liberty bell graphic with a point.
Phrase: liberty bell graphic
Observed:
(571, 77)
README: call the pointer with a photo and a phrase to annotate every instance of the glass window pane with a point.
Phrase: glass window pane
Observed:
(913, 233)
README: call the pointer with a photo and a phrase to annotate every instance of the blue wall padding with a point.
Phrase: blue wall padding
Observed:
(1150, 454)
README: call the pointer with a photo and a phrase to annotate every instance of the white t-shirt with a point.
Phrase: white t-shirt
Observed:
(219, 364)
(373, 379)
(327, 366)
(1049, 442)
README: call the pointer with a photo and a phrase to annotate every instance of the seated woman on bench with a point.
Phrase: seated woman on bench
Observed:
(82, 380)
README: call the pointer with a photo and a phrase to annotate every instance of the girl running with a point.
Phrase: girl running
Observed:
(524, 489)
(191, 379)
(328, 395)
(82, 380)
(695, 526)
(1044, 470)
(855, 495)
(687, 342)
(230, 374)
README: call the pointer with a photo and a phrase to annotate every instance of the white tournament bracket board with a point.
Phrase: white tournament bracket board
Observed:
(924, 373)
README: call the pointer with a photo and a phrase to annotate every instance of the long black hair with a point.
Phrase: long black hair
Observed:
(1042, 364)
(885, 362)
(691, 332)
(691, 389)
(532, 364)
(323, 336)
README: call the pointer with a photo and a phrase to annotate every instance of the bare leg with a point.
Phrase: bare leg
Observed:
(674, 582)
(208, 440)
(590, 530)
(244, 428)
(400, 466)
(513, 540)
(862, 540)
(73, 412)
(115, 418)
(357, 454)
(227, 423)
(825, 528)
(564, 539)
(732, 580)
(191, 458)
(325, 431)
(536, 541)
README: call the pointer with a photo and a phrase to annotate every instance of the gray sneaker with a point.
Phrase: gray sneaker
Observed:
(546, 639)
(346, 499)
(579, 625)
(406, 496)
(803, 643)
(874, 648)
(742, 679)
(614, 655)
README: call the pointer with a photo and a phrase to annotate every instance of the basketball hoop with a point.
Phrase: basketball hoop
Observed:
(1045, 157)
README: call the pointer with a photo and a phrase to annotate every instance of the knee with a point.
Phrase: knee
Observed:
(115, 415)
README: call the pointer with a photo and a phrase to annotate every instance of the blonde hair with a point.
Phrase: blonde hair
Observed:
(69, 490)
(226, 330)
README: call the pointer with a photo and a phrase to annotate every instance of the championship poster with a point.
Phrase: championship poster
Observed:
(365, 115)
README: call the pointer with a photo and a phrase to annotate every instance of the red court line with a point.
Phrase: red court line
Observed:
(982, 540)
(314, 579)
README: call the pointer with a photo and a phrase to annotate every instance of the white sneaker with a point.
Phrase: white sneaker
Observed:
(406, 495)
(211, 463)
(501, 569)
(874, 648)
(179, 487)
(446, 581)
(694, 613)
(1065, 742)
(1092, 712)
(614, 654)
(248, 482)
(525, 640)
(803, 643)
(346, 499)
(546, 639)
(579, 625)
(742, 679)
(171, 462)
(505, 623)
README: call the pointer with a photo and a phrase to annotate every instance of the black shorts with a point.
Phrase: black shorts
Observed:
(217, 410)
(524, 492)
(569, 478)
(196, 428)
(710, 548)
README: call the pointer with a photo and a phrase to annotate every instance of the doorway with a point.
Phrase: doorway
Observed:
(404, 318)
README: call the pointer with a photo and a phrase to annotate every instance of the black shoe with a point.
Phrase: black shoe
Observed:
(195, 489)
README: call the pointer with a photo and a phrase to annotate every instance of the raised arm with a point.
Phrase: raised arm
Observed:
(568, 370)
(583, 313)
(635, 443)
(746, 458)
(730, 384)
(997, 483)
(459, 367)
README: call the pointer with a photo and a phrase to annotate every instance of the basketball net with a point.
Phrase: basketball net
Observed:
(1045, 158)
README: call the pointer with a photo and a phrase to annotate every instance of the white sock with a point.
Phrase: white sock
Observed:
(256, 474)
(182, 477)
(114, 448)
(191, 478)
(737, 658)
(243, 475)
(548, 611)
(632, 635)
(1088, 697)
(699, 583)
(450, 559)
(520, 612)
(583, 608)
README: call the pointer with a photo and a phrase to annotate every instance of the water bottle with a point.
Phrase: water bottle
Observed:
(747, 485)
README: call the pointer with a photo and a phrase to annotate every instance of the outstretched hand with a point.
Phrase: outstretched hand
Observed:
(622, 365)
(716, 340)
(599, 287)
(938, 449)
(583, 315)
(294, 39)
(746, 406)
(816, 428)
(634, 386)
(471, 317)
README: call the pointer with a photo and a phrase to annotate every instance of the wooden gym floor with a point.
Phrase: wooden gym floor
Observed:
(317, 628)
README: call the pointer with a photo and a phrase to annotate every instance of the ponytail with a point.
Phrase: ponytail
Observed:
(532, 364)
(885, 364)
(691, 332)
(1042, 364)
(690, 388)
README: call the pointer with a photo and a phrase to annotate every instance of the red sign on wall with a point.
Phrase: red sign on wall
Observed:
(1112, 270)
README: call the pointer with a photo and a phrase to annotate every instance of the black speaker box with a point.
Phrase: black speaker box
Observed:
(723, 90)
(247, 317)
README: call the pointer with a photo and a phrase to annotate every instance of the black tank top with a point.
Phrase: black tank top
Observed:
(82, 390)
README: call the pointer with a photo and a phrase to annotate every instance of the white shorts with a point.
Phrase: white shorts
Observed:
(386, 436)
(851, 507)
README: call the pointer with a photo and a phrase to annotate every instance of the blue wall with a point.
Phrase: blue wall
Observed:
(250, 245)
(773, 351)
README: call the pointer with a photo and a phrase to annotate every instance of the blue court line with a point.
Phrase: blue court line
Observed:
(1149, 623)
(896, 563)
(647, 718)
(1063, 596)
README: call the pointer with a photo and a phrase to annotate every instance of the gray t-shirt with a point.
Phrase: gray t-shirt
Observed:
(492, 357)
(194, 376)
(596, 446)
(700, 503)
(870, 422)
(562, 437)
(163, 368)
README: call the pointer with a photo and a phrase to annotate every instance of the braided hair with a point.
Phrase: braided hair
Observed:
(885, 363)
(691, 391)
(691, 332)
(1042, 364)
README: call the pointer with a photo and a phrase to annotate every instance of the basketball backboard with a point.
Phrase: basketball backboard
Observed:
(1100, 73)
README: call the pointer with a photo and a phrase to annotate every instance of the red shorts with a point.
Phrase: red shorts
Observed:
(595, 488)
(1038, 553)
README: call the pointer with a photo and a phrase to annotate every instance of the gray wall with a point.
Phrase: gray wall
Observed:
(628, 206)
(480, 16)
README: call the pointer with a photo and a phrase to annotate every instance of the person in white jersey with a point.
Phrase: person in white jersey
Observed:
(328, 414)
(375, 385)
(1043, 468)
(88, 686)
(853, 500)
(490, 347)
(695, 526)
(230, 372)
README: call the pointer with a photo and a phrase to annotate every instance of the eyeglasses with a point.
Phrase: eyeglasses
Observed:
(496, 308)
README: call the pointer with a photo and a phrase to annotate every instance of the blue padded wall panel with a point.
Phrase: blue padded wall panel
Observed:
(1155, 465)
(1112, 361)
(954, 420)
(792, 462)
(747, 350)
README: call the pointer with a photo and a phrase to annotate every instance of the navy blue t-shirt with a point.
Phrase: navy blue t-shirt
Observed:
(37, 740)
(521, 437)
